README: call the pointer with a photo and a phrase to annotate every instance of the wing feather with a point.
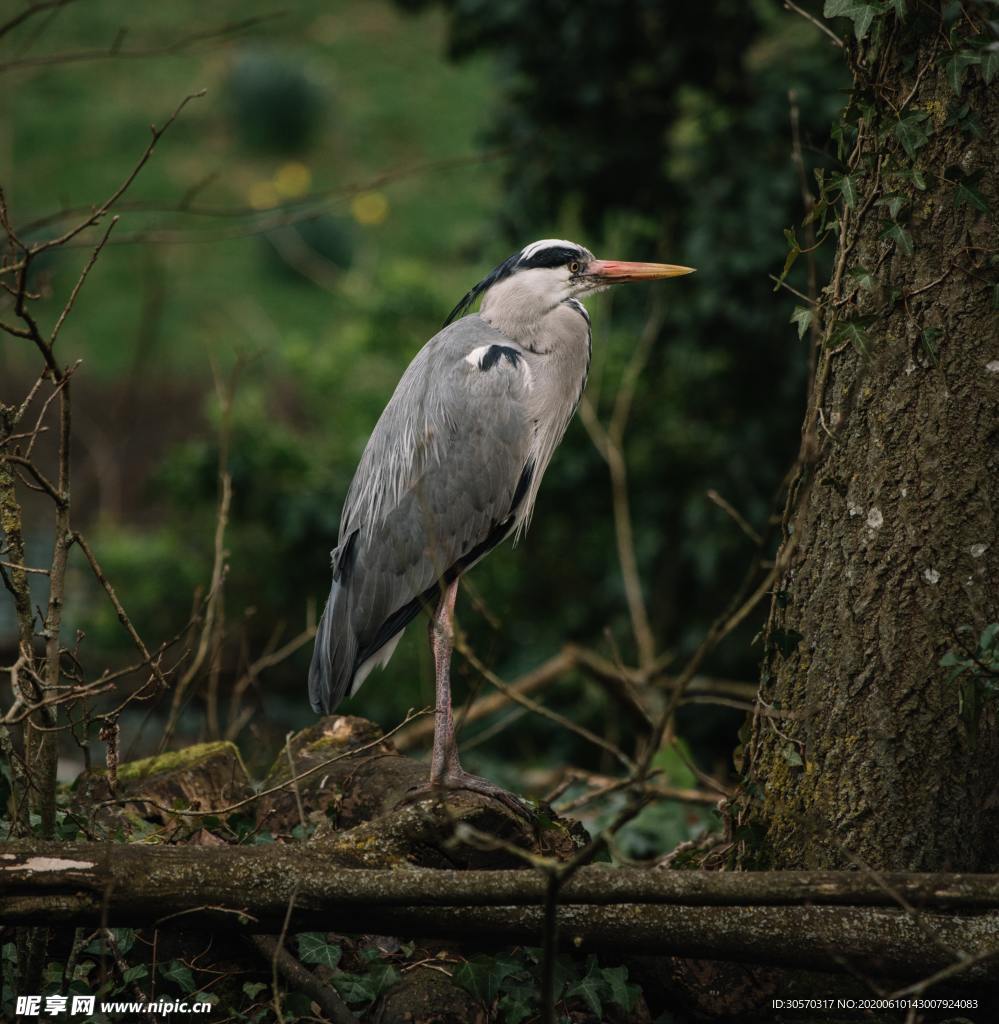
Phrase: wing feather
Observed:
(436, 488)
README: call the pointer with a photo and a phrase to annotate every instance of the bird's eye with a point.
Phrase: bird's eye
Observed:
(574, 267)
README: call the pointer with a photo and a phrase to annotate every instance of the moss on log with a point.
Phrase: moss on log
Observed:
(782, 919)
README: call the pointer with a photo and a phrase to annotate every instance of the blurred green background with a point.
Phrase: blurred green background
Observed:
(351, 170)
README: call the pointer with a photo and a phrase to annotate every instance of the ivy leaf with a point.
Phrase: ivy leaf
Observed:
(894, 204)
(854, 332)
(897, 234)
(909, 131)
(252, 989)
(964, 119)
(802, 316)
(791, 755)
(991, 64)
(957, 66)
(590, 989)
(863, 277)
(990, 634)
(929, 339)
(314, 949)
(966, 194)
(381, 978)
(794, 251)
(616, 979)
(180, 974)
(134, 973)
(860, 12)
(353, 987)
(514, 1009)
(786, 640)
(483, 976)
(847, 186)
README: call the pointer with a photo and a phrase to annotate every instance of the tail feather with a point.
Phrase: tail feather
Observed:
(333, 658)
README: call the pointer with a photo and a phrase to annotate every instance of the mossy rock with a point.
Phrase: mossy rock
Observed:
(330, 738)
(427, 833)
(426, 996)
(203, 777)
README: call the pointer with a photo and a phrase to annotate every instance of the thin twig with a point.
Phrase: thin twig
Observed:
(229, 808)
(735, 515)
(463, 648)
(824, 29)
(123, 618)
(81, 280)
(157, 134)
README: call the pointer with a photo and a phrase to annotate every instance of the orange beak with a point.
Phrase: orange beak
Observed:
(614, 271)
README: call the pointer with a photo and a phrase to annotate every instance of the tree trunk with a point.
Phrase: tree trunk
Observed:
(890, 550)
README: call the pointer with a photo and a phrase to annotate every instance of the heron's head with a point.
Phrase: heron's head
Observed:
(545, 274)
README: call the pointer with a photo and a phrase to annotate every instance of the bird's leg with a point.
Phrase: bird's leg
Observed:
(445, 753)
(445, 768)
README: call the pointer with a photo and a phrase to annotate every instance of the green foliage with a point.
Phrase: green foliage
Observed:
(956, 67)
(365, 988)
(929, 338)
(510, 984)
(966, 193)
(863, 277)
(785, 641)
(314, 949)
(802, 316)
(894, 232)
(483, 976)
(847, 186)
(180, 974)
(662, 825)
(274, 105)
(990, 63)
(361, 987)
(910, 132)
(974, 668)
(860, 12)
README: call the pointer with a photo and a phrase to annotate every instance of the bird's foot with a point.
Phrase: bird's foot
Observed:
(458, 778)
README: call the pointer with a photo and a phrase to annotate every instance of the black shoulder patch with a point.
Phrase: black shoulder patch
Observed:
(497, 352)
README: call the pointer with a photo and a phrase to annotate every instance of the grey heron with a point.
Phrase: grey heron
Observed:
(453, 467)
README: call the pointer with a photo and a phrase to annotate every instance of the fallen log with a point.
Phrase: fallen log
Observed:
(907, 924)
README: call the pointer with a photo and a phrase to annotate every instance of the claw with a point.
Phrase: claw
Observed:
(460, 779)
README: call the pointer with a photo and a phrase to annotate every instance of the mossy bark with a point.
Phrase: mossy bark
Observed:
(891, 549)
(735, 916)
(16, 581)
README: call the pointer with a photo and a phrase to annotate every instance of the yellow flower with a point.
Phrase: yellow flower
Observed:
(369, 208)
(292, 180)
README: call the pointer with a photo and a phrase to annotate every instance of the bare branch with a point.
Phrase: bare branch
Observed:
(93, 218)
(823, 28)
(123, 618)
(81, 280)
(735, 516)
(115, 50)
(30, 11)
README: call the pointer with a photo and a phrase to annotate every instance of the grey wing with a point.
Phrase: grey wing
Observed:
(438, 486)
